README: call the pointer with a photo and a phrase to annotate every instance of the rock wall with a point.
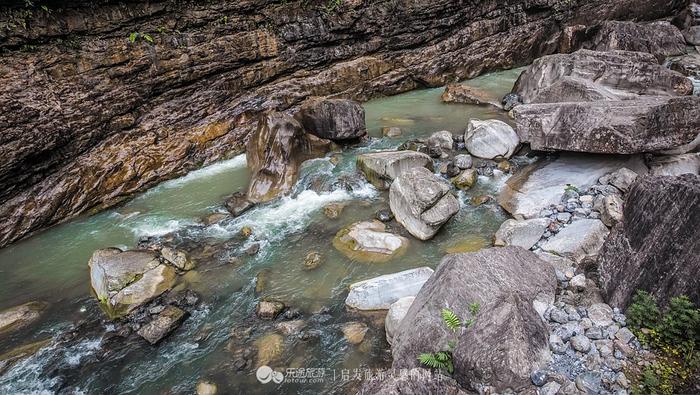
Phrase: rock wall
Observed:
(99, 100)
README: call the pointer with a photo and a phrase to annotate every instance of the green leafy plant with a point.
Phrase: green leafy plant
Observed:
(442, 360)
(571, 188)
(673, 335)
(135, 36)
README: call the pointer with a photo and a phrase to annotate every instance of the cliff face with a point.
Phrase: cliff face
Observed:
(99, 100)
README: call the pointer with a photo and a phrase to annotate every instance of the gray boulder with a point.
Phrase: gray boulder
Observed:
(381, 292)
(163, 324)
(621, 179)
(422, 202)
(612, 127)
(395, 315)
(593, 76)
(490, 139)
(442, 140)
(655, 247)
(381, 168)
(333, 119)
(692, 35)
(125, 280)
(580, 241)
(463, 161)
(610, 208)
(508, 337)
(657, 38)
(523, 233)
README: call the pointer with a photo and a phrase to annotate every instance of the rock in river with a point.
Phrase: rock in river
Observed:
(508, 338)
(422, 202)
(333, 119)
(20, 316)
(381, 168)
(274, 153)
(381, 292)
(368, 241)
(490, 139)
(165, 322)
(460, 93)
(124, 280)
(655, 247)
(354, 332)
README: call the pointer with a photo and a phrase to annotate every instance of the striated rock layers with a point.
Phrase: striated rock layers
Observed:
(655, 247)
(99, 100)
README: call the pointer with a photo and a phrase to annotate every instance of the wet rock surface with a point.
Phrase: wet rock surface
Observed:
(17, 317)
(381, 292)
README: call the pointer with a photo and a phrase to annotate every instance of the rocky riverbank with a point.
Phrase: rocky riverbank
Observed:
(599, 149)
(103, 100)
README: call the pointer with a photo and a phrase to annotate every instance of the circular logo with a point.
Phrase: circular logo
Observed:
(265, 374)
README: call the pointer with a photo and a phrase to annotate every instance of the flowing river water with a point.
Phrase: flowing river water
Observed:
(52, 267)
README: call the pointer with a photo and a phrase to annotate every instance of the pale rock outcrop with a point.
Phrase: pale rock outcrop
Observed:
(422, 202)
(523, 233)
(125, 280)
(369, 241)
(580, 241)
(396, 312)
(381, 292)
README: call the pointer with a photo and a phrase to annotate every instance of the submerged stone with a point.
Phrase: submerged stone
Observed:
(368, 242)
(20, 316)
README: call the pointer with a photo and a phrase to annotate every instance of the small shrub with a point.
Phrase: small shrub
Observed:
(135, 36)
(442, 360)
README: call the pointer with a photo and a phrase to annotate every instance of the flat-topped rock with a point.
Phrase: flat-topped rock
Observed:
(381, 168)
(422, 202)
(163, 324)
(521, 233)
(610, 127)
(579, 241)
(541, 184)
(125, 280)
(593, 76)
(381, 292)
(369, 241)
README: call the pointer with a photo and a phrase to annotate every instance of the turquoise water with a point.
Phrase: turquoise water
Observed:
(52, 266)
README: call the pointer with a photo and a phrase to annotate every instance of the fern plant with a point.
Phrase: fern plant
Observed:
(442, 360)
(135, 36)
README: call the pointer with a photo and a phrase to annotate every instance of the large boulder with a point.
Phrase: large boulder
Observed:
(125, 280)
(422, 202)
(163, 324)
(508, 338)
(541, 184)
(612, 127)
(580, 241)
(274, 153)
(592, 76)
(490, 139)
(368, 241)
(658, 38)
(333, 119)
(381, 168)
(381, 292)
(655, 248)
(20, 316)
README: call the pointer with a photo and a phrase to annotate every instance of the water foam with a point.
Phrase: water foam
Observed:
(207, 171)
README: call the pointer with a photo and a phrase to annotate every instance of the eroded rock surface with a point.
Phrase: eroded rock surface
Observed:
(90, 120)
(333, 119)
(381, 168)
(369, 241)
(508, 336)
(381, 292)
(658, 38)
(655, 247)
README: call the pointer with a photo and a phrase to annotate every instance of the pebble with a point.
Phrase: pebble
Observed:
(559, 316)
(556, 344)
(624, 335)
(551, 388)
(589, 382)
(595, 333)
(581, 343)
(538, 377)
(563, 217)
(601, 314)
(578, 282)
